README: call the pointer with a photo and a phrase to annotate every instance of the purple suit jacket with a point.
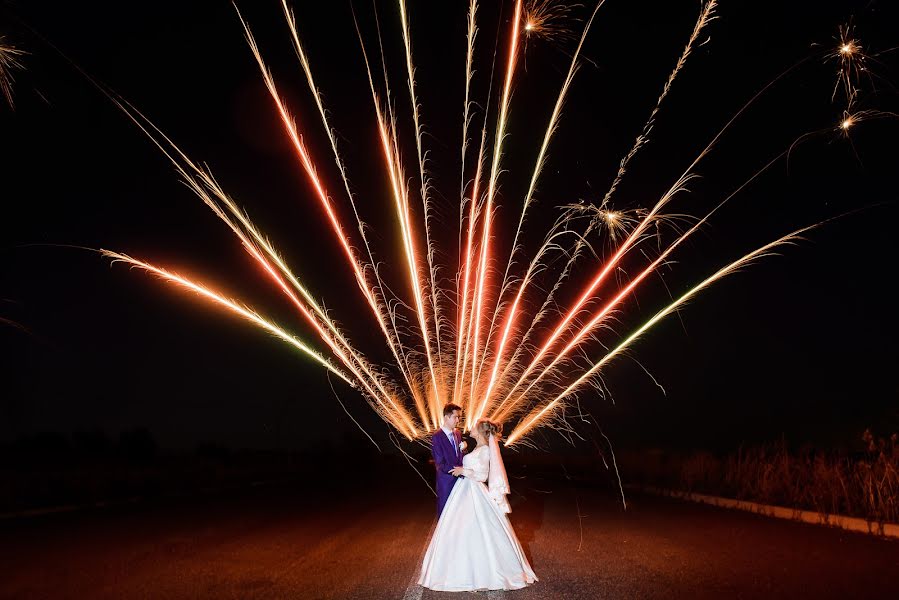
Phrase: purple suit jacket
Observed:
(445, 458)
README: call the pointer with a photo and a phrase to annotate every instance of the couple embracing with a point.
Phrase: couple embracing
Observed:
(474, 546)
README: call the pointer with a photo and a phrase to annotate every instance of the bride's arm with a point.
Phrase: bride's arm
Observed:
(480, 466)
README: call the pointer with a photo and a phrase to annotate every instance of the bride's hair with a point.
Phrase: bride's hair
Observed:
(487, 427)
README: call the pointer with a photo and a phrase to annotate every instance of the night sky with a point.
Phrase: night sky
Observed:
(802, 345)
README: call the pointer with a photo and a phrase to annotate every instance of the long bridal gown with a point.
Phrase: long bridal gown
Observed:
(474, 546)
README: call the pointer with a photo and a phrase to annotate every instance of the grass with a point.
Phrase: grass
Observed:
(863, 484)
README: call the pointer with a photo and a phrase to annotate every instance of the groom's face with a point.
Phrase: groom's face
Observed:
(452, 420)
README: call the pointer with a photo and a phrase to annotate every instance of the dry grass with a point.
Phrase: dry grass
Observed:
(863, 484)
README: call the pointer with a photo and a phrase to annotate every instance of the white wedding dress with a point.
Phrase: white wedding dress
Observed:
(474, 546)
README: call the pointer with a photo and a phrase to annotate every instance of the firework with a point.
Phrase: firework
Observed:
(484, 357)
(851, 64)
(548, 19)
(10, 61)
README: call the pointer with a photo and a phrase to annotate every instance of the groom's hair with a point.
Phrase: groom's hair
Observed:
(449, 408)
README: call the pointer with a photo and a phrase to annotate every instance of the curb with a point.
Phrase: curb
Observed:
(890, 530)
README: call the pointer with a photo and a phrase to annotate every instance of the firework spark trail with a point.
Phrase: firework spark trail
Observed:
(491, 191)
(631, 240)
(475, 209)
(464, 329)
(466, 121)
(401, 205)
(335, 339)
(851, 58)
(536, 266)
(597, 320)
(248, 314)
(522, 344)
(408, 428)
(412, 260)
(650, 217)
(390, 145)
(391, 336)
(546, 19)
(540, 415)
(207, 189)
(290, 125)
(403, 358)
(467, 328)
(390, 148)
(550, 130)
(425, 186)
(544, 310)
(481, 366)
(9, 62)
(541, 159)
(389, 413)
(461, 305)
(706, 15)
(471, 35)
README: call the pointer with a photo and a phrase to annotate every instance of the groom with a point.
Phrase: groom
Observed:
(447, 453)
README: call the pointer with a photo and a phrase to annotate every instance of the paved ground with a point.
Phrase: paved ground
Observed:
(284, 541)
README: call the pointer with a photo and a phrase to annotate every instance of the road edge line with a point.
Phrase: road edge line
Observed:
(855, 524)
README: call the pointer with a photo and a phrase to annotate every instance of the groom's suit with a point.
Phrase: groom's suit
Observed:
(446, 456)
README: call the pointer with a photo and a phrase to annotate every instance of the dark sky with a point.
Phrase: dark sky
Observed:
(801, 345)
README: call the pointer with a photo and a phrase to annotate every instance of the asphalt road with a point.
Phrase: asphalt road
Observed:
(323, 540)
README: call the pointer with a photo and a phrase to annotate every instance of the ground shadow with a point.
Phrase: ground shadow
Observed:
(527, 516)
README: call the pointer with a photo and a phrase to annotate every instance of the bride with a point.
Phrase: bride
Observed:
(474, 546)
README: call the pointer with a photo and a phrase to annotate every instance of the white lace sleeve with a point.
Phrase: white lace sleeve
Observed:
(478, 465)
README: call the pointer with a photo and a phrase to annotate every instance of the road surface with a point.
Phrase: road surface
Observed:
(364, 540)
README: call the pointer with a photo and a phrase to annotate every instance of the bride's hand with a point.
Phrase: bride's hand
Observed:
(456, 471)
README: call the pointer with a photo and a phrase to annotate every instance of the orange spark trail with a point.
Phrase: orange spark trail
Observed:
(506, 407)
(491, 191)
(309, 167)
(9, 62)
(594, 284)
(498, 369)
(538, 416)
(401, 202)
(425, 186)
(464, 328)
(706, 15)
(541, 159)
(208, 190)
(246, 313)
(410, 430)
(403, 359)
(390, 336)
(462, 293)
(204, 185)
(254, 317)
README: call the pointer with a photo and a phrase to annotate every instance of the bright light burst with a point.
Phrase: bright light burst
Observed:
(492, 340)
(548, 19)
(851, 64)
